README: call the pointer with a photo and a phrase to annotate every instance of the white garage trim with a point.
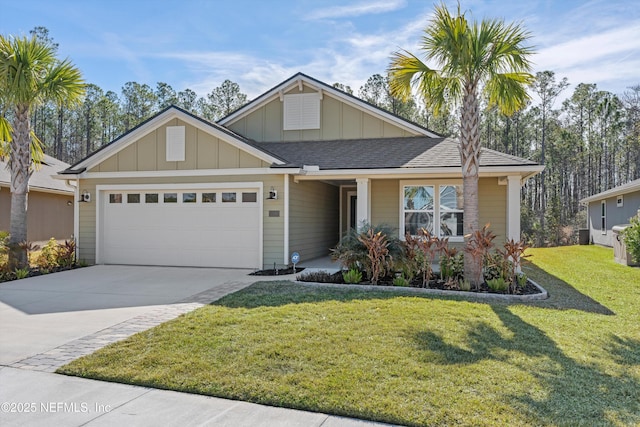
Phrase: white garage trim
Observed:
(102, 189)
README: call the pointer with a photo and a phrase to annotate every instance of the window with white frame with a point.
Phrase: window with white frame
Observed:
(620, 201)
(436, 208)
(603, 217)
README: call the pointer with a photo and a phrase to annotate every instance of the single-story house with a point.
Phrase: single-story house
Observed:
(609, 208)
(290, 171)
(50, 202)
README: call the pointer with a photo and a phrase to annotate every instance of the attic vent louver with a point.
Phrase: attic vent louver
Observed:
(175, 143)
(302, 111)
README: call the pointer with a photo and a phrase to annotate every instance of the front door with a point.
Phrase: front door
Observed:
(352, 209)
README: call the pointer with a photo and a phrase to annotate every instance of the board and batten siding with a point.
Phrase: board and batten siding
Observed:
(202, 151)
(273, 226)
(338, 120)
(492, 206)
(313, 218)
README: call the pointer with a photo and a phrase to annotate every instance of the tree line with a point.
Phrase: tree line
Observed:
(588, 143)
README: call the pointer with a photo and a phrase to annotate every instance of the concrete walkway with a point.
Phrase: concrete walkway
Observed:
(47, 321)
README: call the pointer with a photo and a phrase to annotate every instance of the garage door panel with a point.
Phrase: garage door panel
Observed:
(198, 234)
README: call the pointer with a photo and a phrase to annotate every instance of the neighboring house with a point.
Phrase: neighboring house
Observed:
(50, 202)
(290, 171)
(609, 208)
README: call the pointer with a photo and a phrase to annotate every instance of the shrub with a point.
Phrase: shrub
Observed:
(478, 245)
(320, 277)
(451, 264)
(498, 284)
(464, 285)
(21, 273)
(352, 253)
(400, 281)
(631, 236)
(48, 255)
(66, 254)
(376, 245)
(420, 251)
(352, 276)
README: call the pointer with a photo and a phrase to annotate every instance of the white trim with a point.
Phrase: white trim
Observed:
(620, 201)
(76, 216)
(286, 219)
(161, 120)
(513, 207)
(101, 188)
(327, 91)
(408, 173)
(629, 187)
(186, 173)
(363, 205)
(603, 216)
(349, 194)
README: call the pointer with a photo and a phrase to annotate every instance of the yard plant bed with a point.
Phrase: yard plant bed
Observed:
(338, 278)
(277, 271)
(572, 359)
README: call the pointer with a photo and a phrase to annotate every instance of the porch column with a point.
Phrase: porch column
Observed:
(513, 207)
(363, 208)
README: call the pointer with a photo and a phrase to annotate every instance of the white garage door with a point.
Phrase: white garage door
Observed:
(187, 227)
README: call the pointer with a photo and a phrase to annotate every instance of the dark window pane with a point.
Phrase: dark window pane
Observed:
(249, 197)
(133, 198)
(171, 197)
(188, 197)
(228, 197)
(151, 198)
(414, 221)
(115, 198)
(208, 197)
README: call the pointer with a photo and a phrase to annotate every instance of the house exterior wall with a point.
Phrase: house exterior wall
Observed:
(386, 205)
(202, 151)
(48, 215)
(614, 216)
(273, 227)
(338, 120)
(313, 218)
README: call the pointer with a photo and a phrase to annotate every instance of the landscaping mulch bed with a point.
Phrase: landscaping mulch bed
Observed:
(337, 278)
(277, 271)
(33, 272)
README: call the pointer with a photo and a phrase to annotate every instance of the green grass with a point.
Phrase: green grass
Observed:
(573, 359)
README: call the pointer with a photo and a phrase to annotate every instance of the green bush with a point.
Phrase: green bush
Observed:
(400, 281)
(352, 276)
(498, 284)
(48, 255)
(631, 236)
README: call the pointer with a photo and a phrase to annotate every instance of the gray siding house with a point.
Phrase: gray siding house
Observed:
(610, 208)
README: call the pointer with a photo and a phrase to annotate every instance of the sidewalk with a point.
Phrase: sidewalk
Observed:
(29, 398)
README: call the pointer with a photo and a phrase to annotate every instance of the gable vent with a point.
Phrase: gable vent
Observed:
(302, 111)
(175, 143)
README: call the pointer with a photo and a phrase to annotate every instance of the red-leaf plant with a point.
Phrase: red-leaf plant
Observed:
(377, 252)
(478, 245)
(514, 252)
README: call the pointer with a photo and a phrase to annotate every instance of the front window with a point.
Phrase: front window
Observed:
(451, 205)
(436, 208)
(418, 208)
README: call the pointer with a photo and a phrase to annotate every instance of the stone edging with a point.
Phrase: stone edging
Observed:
(477, 295)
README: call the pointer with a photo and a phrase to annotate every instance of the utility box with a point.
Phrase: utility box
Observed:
(583, 236)
(620, 253)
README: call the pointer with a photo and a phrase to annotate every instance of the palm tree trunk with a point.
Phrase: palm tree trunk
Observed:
(20, 162)
(470, 159)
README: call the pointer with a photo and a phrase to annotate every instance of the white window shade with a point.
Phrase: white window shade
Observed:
(175, 143)
(302, 111)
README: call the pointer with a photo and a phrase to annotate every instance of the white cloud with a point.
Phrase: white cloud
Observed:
(365, 8)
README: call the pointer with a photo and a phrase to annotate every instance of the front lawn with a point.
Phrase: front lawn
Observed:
(573, 359)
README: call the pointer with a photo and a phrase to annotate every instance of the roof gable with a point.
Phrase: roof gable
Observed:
(372, 116)
(162, 119)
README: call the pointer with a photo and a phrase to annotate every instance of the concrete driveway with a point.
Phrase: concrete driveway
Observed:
(41, 313)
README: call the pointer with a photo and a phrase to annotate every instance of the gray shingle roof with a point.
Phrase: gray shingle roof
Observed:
(382, 153)
(42, 179)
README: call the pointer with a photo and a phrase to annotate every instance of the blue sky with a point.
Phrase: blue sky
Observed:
(197, 44)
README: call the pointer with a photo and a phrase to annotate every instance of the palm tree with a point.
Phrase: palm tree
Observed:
(471, 59)
(30, 75)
